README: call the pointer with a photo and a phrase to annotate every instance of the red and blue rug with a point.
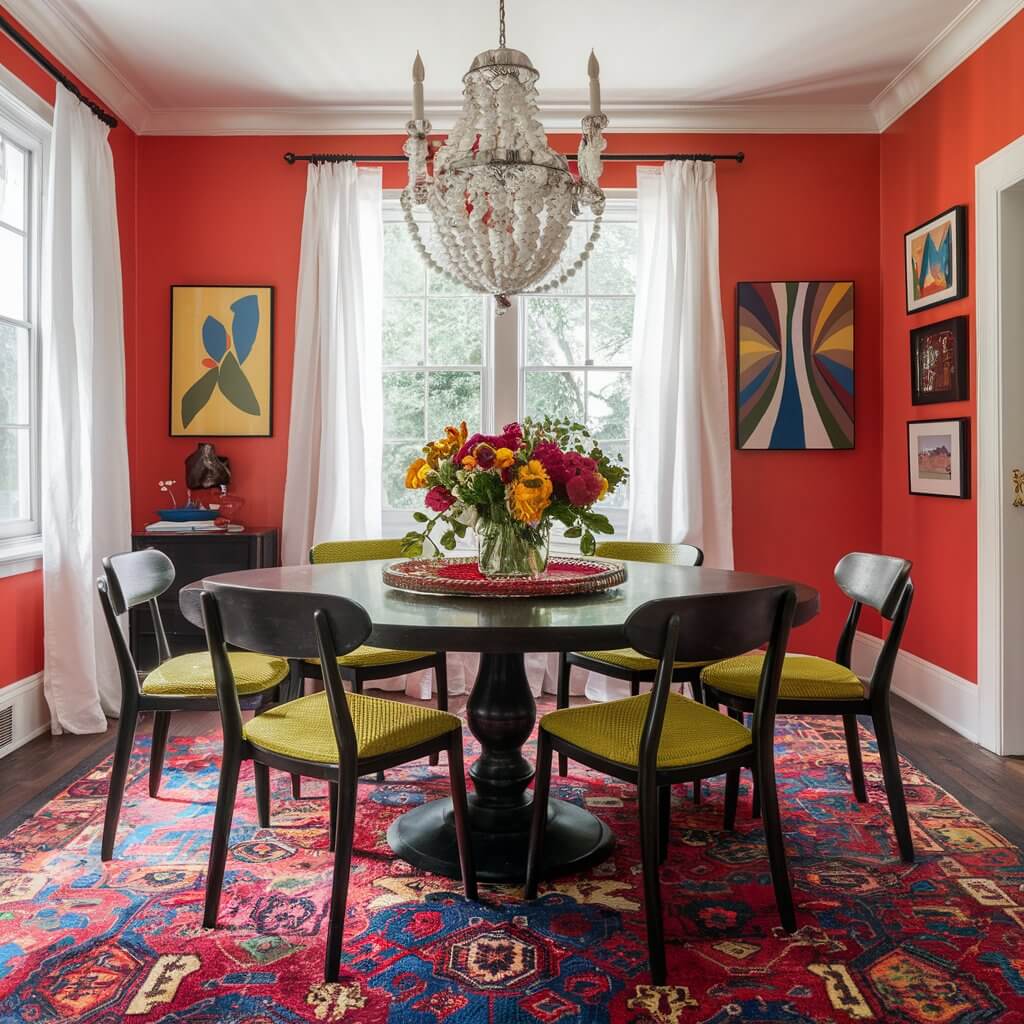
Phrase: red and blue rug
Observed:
(940, 941)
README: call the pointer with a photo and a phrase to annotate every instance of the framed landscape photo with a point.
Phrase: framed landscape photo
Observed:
(937, 457)
(938, 362)
(794, 365)
(935, 260)
(222, 339)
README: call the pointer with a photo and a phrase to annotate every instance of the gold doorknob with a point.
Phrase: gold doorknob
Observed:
(1018, 488)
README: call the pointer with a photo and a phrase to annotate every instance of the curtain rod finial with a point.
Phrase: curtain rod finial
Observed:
(289, 158)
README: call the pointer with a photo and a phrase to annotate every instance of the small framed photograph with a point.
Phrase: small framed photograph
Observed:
(938, 362)
(937, 457)
(935, 257)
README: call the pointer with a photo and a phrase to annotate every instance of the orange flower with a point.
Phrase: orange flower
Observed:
(454, 438)
(504, 458)
(468, 462)
(604, 488)
(531, 493)
(416, 474)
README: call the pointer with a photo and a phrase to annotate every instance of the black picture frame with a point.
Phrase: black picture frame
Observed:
(271, 290)
(957, 391)
(959, 250)
(960, 467)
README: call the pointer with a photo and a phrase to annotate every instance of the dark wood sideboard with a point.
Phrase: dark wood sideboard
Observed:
(195, 556)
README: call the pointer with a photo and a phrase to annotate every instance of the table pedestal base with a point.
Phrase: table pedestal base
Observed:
(425, 837)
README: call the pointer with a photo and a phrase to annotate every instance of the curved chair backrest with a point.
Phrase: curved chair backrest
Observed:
(644, 551)
(712, 628)
(130, 579)
(284, 625)
(355, 550)
(881, 582)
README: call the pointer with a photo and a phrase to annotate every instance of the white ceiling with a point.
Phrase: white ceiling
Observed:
(237, 61)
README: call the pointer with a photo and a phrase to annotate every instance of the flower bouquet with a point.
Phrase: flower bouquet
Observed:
(510, 488)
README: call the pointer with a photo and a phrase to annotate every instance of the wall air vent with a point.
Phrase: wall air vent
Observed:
(6, 727)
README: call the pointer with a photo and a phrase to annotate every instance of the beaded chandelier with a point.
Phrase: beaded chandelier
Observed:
(501, 200)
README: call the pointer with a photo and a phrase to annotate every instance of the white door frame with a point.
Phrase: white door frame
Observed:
(993, 177)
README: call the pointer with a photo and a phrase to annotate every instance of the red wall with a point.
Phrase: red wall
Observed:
(21, 627)
(229, 210)
(928, 158)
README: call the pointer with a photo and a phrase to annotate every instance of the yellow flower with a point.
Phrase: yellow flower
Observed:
(604, 488)
(416, 474)
(504, 458)
(531, 493)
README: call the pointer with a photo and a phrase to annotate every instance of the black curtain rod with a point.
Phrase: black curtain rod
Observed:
(636, 158)
(43, 61)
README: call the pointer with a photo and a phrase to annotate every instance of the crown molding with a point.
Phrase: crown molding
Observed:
(391, 119)
(966, 33)
(70, 47)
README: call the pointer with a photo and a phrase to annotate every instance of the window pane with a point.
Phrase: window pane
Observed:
(12, 274)
(12, 195)
(397, 459)
(403, 268)
(613, 261)
(575, 285)
(15, 478)
(403, 405)
(403, 332)
(555, 332)
(608, 394)
(551, 393)
(15, 374)
(611, 331)
(620, 499)
(455, 330)
(453, 396)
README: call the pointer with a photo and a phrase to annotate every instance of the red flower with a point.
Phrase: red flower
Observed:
(511, 439)
(582, 482)
(553, 459)
(439, 499)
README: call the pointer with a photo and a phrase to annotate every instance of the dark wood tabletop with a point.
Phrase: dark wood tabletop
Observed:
(406, 621)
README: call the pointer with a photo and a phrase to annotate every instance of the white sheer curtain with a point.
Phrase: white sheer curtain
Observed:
(85, 496)
(333, 483)
(680, 471)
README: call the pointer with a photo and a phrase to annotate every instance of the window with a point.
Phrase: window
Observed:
(448, 357)
(21, 151)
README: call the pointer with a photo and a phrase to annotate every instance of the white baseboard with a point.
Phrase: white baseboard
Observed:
(946, 697)
(29, 711)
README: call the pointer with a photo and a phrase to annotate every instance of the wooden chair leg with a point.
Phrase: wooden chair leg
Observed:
(441, 681)
(261, 779)
(774, 840)
(649, 852)
(893, 782)
(460, 812)
(226, 792)
(664, 820)
(538, 828)
(161, 727)
(332, 813)
(562, 701)
(343, 837)
(860, 790)
(296, 787)
(697, 688)
(634, 686)
(732, 795)
(118, 777)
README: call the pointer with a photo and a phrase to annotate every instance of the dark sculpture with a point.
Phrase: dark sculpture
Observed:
(204, 468)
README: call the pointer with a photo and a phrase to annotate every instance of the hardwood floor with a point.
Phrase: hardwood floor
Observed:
(983, 782)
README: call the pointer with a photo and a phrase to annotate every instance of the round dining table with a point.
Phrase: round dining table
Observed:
(501, 711)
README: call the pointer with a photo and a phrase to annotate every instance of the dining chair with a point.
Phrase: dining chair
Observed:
(331, 735)
(182, 683)
(661, 738)
(817, 686)
(626, 663)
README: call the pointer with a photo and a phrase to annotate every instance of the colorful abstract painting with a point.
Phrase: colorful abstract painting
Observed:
(221, 361)
(934, 255)
(794, 368)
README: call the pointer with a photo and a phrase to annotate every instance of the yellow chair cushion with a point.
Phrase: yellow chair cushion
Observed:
(644, 551)
(303, 729)
(804, 677)
(191, 675)
(692, 733)
(633, 661)
(355, 550)
(372, 657)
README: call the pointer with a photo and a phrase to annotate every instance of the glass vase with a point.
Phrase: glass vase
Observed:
(507, 549)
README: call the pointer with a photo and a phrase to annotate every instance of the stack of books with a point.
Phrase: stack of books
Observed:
(200, 526)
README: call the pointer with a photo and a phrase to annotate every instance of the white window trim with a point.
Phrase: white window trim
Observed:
(29, 126)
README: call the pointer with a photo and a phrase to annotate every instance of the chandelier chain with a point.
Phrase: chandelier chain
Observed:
(501, 23)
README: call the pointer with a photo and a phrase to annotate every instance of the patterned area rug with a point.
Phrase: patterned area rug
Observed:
(940, 941)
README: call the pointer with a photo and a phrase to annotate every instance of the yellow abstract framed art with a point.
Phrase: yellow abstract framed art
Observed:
(222, 360)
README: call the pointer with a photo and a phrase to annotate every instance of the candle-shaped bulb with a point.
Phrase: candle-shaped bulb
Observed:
(593, 70)
(417, 88)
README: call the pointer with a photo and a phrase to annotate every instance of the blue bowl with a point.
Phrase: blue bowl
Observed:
(187, 515)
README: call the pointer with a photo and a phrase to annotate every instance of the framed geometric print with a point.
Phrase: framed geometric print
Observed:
(935, 260)
(794, 365)
(222, 340)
